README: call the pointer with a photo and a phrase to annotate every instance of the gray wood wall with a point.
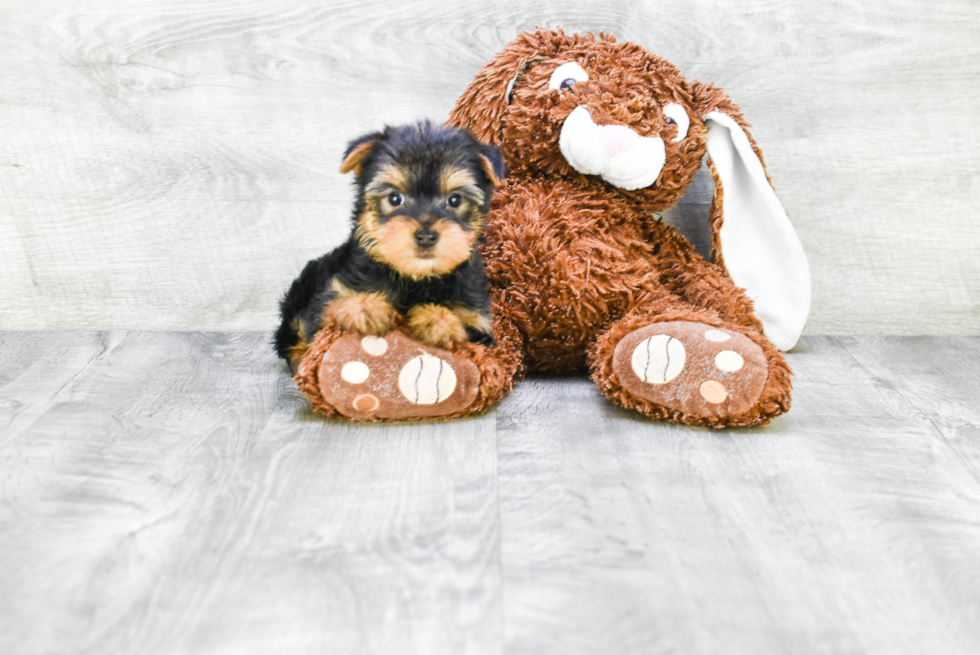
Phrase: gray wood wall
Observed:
(171, 165)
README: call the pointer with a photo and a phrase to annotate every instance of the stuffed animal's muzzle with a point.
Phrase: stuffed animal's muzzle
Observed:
(614, 152)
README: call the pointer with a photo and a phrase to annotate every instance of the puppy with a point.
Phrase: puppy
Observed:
(423, 192)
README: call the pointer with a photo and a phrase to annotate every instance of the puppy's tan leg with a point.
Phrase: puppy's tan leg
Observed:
(436, 325)
(474, 319)
(298, 349)
(363, 313)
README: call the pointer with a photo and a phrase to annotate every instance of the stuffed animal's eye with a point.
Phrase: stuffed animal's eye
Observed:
(454, 200)
(566, 75)
(395, 199)
(677, 116)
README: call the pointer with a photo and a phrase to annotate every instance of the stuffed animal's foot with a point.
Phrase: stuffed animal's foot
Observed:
(393, 377)
(690, 367)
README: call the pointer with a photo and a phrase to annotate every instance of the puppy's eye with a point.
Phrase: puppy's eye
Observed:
(395, 199)
(677, 116)
(454, 200)
(566, 75)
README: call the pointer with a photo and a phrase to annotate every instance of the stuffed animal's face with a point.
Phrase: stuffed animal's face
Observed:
(616, 121)
(584, 105)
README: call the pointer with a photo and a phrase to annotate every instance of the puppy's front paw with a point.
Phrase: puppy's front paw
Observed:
(363, 313)
(436, 325)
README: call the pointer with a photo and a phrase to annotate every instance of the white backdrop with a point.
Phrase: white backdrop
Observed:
(171, 165)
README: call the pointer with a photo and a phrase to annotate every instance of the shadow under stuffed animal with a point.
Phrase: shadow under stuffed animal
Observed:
(598, 136)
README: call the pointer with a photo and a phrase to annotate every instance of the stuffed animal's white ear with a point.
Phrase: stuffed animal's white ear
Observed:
(756, 240)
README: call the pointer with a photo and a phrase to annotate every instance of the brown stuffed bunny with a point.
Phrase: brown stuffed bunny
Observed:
(598, 136)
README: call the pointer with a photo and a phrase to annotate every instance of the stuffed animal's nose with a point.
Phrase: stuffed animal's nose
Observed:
(426, 237)
(617, 138)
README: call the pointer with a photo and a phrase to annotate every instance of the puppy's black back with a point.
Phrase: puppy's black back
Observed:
(315, 277)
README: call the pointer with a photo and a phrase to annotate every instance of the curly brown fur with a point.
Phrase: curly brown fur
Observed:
(575, 262)
(423, 192)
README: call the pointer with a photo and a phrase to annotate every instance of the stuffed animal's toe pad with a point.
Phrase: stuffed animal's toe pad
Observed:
(395, 377)
(692, 367)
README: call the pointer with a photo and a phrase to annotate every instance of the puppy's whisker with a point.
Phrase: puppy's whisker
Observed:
(368, 232)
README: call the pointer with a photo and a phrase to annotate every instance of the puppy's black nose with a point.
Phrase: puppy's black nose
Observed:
(426, 238)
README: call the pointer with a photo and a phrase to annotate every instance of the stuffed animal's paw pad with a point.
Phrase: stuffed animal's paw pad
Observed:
(395, 377)
(375, 346)
(692, 367)
(427, 380)
(658, 359)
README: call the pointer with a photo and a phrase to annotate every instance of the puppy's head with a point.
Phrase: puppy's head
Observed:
(423, 194)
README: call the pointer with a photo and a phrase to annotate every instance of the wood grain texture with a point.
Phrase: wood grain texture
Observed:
(850, 525)
(172, 493)
(172, 164)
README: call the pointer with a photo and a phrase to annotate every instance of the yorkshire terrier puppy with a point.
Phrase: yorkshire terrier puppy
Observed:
(423, 192)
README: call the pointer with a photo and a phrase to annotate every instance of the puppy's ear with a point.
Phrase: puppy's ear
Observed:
(357, 150)
(492, 163)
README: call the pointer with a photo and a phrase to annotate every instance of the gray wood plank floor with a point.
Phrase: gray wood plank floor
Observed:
(172, 493)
